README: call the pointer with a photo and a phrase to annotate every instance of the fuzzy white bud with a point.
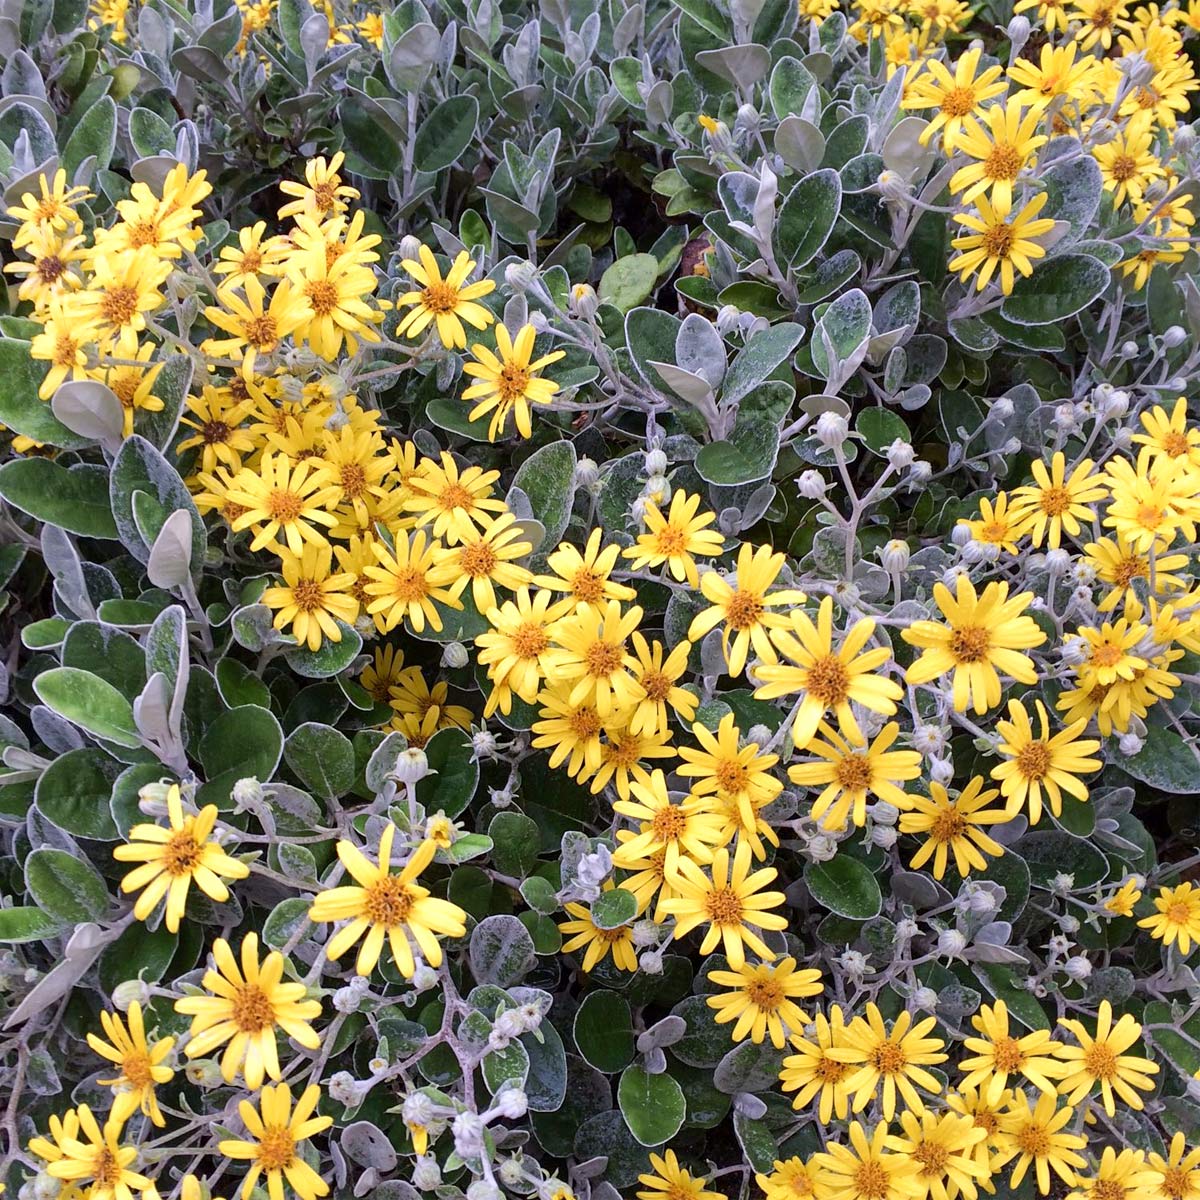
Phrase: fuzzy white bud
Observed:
(925, 998)
(1130, 744)
(831, 429)
(411, 766)
(426, 1173)
(584, 302)
(656, 462)
(884, 836)
(455, 656)
(511, 1104)
(811, 485)
(1077, 967)
(941, 770)
(651, 961)
(901, 455)
(951, 942)
(468, 1135)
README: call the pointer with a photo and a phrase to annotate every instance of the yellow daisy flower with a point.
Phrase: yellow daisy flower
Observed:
(686, 828)
(763, 999)
(676, 538)
(1041, 763)
(515, 649)
(953, 94)
(1123, 1175)
(1033, 1136)
(584, 575)
(892, 1059)
(744, 607)
(952, 826)
(322, 194)
(996, 524)
(669, 1181)
(284, 498)
(1057, 501)
(94, 1158)
(591, 658)
(582, 931)
(456, 502)
(996, 1056)
(509, 383)
(381, 906)
(1177, 917)
(173, 858)
(847, 774)
(1003, 143)
(842, 1170)
(996, 242)
(813, 1072)
(983, 635)
(730, 901)
(311, 599)
(444, 302)
(1176, 1177)
(142, 1065)
(407, 581)
(943, 1147)
(272, 1148)
(1102, 1058)
(245, 1009)
(829, 681)
(659, 678)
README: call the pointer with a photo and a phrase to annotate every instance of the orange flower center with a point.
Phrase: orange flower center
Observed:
(1129, 569)
(829, 681)
(1174, 444)
(252, 1009)
(585, 724)
(765, 994)
(1007, 1054)
(529, 640)
(947, 826)
(307, 595)
(276, 1148)
(1099, 1060)
(724, 907)
(656, 685)
(1179, 913)
(1108, 1189)
(958, 101)
(477, 560)
(260, 332)
(119, 305)
(889, 1058)
(409, 584)
(353, 479)
(603, 658)
(1034, 1141)
(1004, 162)
(872, 1181)
(1123, 168)
(1034, 761)
(512, 382)
(65, 350)
(853, 773)
(181, 855)
(1054, 501)
(744, 610)
(932, 1158)
(284, 505)
(587, 586)
(322, 295)
(669, 822)
(970, 644)
(669, 540)
(387, 902)
(998, 240)
(1107, 654)
(50, 268)
(106, 1170)
(136, 1069)
(731, 775)
(439, 298)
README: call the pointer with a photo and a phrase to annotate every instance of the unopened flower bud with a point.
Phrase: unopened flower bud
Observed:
(346, 1000)
(520, 275)
(893, 187)
(511, 1172)
(596, 867)
(907, 929)
(1057, 561)
(411, 766)
(853, 963)
(651, 961)
(646, 933)
(1129, 349)
(152, 798)
(410, 247)
(656, 462)
(483, 744)
(587, 473)
(920, 471)
(894, 556)
(126, 993)
(748, 118)
(345, 1089)
(455, 656)
(951, 942)
(1077, 967)
(1068, 923)
(511, 1103)
(584, 302)
(941, 770)
(1130, 744)
(929, 739)
(426, 1173)
(901, 454)
(483, 1189)
(811, 485)
(884, 836)
(728, 318)
(758, 735)
(925, 998)
(821, 848)
(831, 429)
(1064, 416)
(1174, 336)
(247, 793)
(1062, 883)
(204, 1073)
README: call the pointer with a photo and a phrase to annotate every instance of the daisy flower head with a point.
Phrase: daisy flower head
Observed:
(828, 681)
(984, 634)
(380, 907)
(509, 380)
(730, 901)
(1102, 1058)
(1176, 919)
(445, 302)
(762, 999)
(744, 607)
(173, 858)
(247, 1004)
(952, 826)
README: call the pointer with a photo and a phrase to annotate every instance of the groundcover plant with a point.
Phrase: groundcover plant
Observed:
(599, 600)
